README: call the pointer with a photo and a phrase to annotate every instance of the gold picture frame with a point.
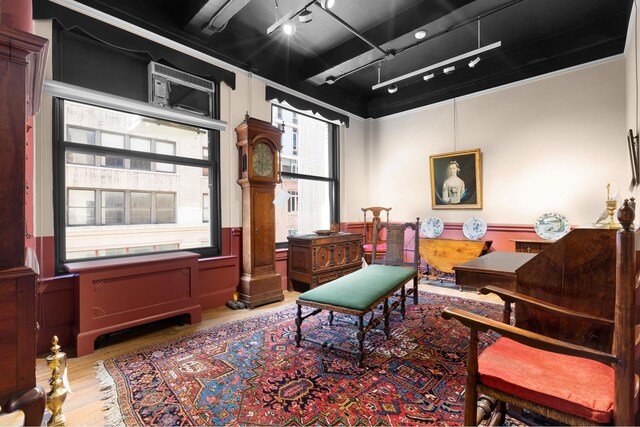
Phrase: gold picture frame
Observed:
(456, 180)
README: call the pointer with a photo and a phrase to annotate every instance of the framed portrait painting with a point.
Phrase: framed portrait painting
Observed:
(456, 180)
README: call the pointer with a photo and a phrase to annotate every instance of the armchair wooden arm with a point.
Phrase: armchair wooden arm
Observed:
(512, 297)
(479, 323)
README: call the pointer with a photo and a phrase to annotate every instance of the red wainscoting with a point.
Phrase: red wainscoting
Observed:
(218, 278)
(55, 311)
(500, 234)
(282, 256)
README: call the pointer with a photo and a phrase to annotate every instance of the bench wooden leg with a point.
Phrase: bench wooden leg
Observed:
(330, 317)
(387, 330)
(403, 297)
(298, 324)
(360, 340)
(415, 290)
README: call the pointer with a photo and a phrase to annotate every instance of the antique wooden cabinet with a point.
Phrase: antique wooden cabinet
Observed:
(22, 68)
(316, 259)
(258, 145)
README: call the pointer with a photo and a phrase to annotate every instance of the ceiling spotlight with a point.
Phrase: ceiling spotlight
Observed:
(392, 89)
(420, 34)
(289, 28)
(305, 16)
(428, 77)
(449, 70)
(474, 62)
(331, 80)
(327, 4)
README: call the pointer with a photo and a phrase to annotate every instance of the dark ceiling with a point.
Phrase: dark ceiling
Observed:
(359, 43)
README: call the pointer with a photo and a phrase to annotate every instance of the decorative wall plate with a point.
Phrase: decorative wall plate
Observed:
(551, 226)
(474, 228)
(431, 227)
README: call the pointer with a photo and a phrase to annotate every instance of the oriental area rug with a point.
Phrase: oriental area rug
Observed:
(250, 372)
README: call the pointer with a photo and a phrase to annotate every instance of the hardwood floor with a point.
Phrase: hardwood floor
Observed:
(84, 406)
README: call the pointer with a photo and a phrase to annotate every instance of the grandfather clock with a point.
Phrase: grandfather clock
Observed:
(259, 147)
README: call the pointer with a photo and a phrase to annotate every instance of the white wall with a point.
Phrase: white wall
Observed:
(354, 187)
(549, 144)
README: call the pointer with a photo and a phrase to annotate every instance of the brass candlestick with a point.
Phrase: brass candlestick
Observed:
(58, 393)
(612, 204)
(611, 207)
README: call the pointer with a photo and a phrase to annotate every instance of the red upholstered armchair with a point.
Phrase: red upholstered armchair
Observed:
(569, 383)
(368, 230)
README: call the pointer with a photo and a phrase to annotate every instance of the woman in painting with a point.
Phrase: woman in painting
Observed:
(453, 188)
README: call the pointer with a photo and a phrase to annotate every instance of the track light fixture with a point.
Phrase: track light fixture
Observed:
(449, 70)
(420, 34)
(421, 71)
(305, 16)
(289, 28)
(327, 4)
(474, 62)
(392, 89)
(330, 80)
(428, 77)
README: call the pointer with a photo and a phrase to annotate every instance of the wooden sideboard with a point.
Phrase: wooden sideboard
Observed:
(316, 259)
(443, 254)
(531, 245)
(114, 294)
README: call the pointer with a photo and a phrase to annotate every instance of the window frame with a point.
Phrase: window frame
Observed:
(334, 165)
(61, 145)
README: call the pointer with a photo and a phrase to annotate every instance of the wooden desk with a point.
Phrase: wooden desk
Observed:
(495, 268)
(531, 245)
(316, 259)
(443, 254)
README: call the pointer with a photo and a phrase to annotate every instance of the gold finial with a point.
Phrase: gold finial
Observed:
(58, 393)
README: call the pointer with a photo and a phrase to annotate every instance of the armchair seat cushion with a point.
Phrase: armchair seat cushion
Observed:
(578, 386)
(381, 247)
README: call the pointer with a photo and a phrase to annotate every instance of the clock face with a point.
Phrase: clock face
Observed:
(262, 160)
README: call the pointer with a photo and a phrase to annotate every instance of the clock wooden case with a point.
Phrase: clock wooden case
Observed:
(259, 146)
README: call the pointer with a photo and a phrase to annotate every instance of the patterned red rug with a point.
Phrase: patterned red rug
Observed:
(250, 372)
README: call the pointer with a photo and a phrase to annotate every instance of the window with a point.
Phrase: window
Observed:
(140, 208)
(165, 208)
(130, 184)
(309, 175)
(169, 148)
(205, 156)
(81, 136)
(143, 145)
(112, 207)
(289, 165)
(112, 141)
(81, 207)
(293, 201)
(205, 207)
(294, 141)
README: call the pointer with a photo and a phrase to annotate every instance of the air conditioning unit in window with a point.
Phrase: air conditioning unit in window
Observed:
(171, 88)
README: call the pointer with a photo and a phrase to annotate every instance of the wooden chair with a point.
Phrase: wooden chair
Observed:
(570, 383)
(368, 232)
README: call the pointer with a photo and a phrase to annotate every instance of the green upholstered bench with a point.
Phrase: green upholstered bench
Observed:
(360, 292)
